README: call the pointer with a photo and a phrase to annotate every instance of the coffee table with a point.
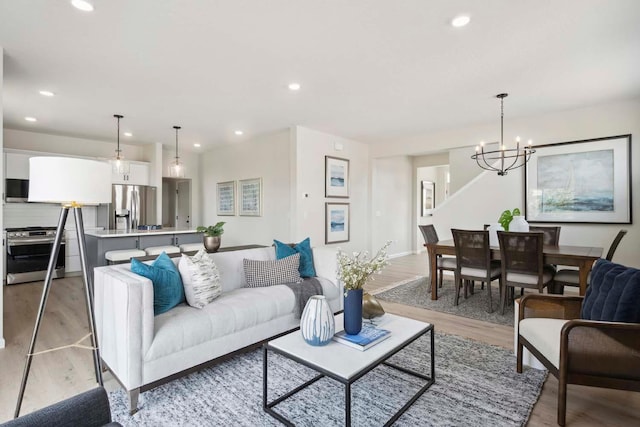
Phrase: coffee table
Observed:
(346, 364)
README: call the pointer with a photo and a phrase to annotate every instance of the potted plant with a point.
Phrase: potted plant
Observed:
(211, 238)
(508, 216)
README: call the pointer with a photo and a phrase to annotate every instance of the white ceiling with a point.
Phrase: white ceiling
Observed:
(371, 70)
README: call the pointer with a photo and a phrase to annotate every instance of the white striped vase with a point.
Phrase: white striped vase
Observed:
(317, 324)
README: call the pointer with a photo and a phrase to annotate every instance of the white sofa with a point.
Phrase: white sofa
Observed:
(143, 350)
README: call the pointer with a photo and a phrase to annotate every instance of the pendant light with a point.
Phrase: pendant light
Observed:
(119, 165)
(176, 169)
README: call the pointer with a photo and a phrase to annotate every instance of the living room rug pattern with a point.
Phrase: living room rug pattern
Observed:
(475, 384)
(416, 293)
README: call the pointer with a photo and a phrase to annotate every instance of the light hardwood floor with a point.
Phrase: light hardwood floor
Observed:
(61, 374)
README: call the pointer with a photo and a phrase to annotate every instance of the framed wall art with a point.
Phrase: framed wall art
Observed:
(226, 198)
(251, 197)
(336, 174)
(336, 222)
(580, 182)
(428, 197)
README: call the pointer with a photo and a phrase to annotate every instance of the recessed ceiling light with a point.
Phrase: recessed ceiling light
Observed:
(83, 5)
(196, 145)
(294, 86)
(460, 21)
(128, 134)
(46, 93)
(31, 119)
(238, 132)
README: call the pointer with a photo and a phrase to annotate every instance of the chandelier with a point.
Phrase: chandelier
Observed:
(176, 169)
(509, 158)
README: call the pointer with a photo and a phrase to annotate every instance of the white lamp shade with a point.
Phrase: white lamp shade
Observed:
(65, 180)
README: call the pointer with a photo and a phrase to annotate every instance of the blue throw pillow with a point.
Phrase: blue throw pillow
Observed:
(613, 294)
(167, 284)
(303, 248)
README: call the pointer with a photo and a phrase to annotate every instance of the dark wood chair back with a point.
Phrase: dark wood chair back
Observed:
(521, 252)
(614, 244)
(551, 234)
(472, 248)
(429, 233)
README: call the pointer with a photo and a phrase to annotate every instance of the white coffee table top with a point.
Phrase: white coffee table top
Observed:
(344, 361)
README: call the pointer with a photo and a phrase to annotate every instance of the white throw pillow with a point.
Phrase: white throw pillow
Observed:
(200, 278)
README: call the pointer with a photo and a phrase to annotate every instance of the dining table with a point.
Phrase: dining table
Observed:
(582, 257)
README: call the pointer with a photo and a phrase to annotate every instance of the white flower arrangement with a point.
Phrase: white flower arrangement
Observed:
(355, 270)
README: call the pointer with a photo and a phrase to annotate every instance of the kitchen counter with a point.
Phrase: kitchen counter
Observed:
(133, 233)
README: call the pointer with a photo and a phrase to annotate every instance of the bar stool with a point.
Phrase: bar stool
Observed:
(157, 250)
(121, 256)
(191, 247)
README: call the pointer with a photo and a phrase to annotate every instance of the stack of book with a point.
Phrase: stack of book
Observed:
(369, 336)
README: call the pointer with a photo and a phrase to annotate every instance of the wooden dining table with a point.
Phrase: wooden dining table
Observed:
(582, 257)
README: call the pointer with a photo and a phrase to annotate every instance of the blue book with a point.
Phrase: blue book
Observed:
(369, 336)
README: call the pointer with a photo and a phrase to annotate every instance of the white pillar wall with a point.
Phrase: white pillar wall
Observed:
(2, 343)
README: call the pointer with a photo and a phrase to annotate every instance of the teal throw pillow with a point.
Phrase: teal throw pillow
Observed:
(303, 248)
(167, 284)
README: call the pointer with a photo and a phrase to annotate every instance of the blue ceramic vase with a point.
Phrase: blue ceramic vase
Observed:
(317, 324)
(353, 312)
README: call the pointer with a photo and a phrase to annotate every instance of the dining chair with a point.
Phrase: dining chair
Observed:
(522, 264)
(551, 234)
(442, 263)
(474, 262)
(568, 277)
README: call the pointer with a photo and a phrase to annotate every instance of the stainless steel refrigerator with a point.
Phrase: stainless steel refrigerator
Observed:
(132, 206)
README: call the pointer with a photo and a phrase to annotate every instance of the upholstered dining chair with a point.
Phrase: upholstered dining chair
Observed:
(522, 261)
(568, 277)
(474, 262)
(590, 340)
(442, 263)
(551, 234)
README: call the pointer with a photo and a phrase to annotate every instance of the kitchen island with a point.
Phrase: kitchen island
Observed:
(101, 241)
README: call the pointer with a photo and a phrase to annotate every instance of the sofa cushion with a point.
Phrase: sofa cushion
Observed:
(200, 278)
(544, 335)
(231, 312)
(303, 248)
(269, 273)
(613, 294)
(167, 284)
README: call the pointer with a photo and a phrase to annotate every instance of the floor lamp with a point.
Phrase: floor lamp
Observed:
(71, 182)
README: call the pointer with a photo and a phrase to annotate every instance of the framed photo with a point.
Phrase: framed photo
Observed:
(428, 197)
(226, 198)
(336, 176)
(251, 197)
(336, 223)
(580, 182)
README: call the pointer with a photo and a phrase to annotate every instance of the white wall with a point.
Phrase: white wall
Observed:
(34, 141)
(1, 213)
(486, 198)
(309, 151)
(192, 165)
(392, 179)
(152, 153)
(266, 157)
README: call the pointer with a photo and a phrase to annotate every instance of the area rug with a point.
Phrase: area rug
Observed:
(416, 293)
(476, 384)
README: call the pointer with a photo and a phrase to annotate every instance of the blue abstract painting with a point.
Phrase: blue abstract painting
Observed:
(337, 220)
(337, 175)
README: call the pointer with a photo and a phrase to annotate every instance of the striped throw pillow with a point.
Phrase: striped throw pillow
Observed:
(273, 272)
(200, 278)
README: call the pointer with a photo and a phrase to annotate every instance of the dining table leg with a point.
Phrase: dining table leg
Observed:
(583, 273)
(433, 271)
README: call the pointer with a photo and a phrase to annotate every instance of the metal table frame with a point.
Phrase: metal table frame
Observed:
(268, 406)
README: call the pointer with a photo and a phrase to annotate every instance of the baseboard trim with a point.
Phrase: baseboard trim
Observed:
(398, 255)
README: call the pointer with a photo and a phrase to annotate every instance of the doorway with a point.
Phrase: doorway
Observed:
(176, 202)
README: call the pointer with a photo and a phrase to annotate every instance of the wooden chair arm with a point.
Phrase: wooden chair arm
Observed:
(550, 306)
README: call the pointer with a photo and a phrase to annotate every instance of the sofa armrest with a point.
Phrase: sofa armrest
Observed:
(90, 409)
(325, 261)
(550, 306)
(124, 321)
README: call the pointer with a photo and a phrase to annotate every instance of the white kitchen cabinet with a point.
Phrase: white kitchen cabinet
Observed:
(138, 175)
(16, 165)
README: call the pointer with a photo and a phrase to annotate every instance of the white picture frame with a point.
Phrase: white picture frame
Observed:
(250, 197)
(336, 177)
(226, 198)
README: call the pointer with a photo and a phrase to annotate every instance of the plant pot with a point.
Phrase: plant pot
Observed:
(317, 324)
(518, 223)
(211, 243)
(353, 312)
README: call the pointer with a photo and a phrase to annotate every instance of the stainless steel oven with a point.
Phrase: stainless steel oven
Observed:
(28, 253)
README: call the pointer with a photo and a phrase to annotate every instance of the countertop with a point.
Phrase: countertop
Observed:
(129, 233)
